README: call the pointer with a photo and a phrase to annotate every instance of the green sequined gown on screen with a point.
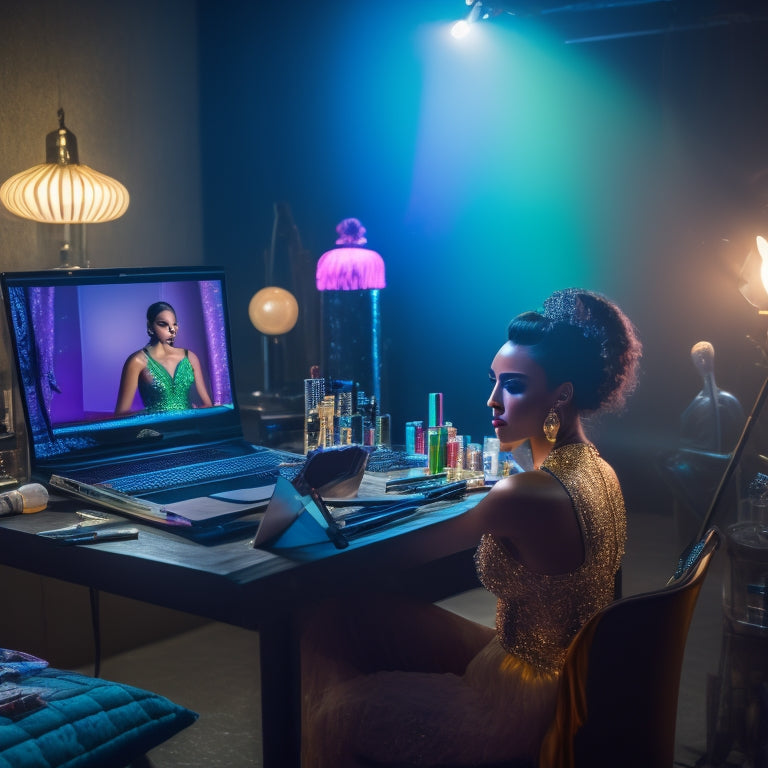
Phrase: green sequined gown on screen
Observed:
(160, 391)
(396, 682)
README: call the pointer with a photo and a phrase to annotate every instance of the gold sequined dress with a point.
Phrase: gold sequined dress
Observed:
(412, 684)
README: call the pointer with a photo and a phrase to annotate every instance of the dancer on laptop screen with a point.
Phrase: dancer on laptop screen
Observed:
(163, 373)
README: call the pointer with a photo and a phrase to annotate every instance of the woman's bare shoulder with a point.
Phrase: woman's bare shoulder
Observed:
(136, 359)
(516, 499)
(533, 484)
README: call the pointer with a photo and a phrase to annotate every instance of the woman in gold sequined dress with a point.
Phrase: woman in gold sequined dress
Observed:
(391, 681)
(163, 373)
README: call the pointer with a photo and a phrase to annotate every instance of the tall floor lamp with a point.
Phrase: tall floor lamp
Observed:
(737, 696)
(349, 278)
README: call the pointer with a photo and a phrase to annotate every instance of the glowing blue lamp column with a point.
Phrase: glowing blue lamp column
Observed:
(350, 277)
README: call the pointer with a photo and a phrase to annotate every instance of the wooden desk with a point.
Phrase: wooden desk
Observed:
(232, 582)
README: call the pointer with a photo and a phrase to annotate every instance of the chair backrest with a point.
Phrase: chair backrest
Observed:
(617, 699)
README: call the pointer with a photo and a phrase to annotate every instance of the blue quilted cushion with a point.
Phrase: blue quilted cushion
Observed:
(64, 719)
(16, 664)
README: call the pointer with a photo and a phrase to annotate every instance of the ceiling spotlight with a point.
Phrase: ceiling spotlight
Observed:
(477, 12)
(460, 29)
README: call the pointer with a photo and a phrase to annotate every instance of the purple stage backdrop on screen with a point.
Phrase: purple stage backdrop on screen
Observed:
(95, 328)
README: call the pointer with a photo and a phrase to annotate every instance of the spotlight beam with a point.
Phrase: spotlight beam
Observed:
(479, 11)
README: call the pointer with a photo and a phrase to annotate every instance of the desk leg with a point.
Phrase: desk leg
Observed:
(280, 694)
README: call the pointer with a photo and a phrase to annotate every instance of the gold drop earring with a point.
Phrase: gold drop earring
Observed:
(552, 425)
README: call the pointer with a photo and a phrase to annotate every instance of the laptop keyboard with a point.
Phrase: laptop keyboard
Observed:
(184, 470)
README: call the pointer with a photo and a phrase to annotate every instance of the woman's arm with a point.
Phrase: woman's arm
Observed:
(129, 381)
(202, 392)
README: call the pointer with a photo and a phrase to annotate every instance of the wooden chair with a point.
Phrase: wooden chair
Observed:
(617, 700)
(618, 692)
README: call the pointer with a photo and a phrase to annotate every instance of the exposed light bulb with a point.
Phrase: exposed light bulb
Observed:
(460, 29)
(762, 249)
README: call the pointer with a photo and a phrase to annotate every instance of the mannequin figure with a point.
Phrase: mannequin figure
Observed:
(714, 419)
(709, 430)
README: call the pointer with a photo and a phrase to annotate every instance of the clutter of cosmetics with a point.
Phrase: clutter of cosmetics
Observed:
(336, 413)
(456, 454)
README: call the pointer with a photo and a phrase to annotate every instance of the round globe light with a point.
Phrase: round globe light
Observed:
(273, 310)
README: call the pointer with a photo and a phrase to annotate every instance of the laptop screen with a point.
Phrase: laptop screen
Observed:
(72, 333)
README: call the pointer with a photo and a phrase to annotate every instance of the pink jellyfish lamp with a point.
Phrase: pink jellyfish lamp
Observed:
(350, 267)
(349, 278)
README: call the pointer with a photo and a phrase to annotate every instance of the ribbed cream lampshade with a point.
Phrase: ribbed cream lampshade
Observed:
(61, 190)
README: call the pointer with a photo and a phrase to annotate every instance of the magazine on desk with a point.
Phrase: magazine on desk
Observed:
(203, 510)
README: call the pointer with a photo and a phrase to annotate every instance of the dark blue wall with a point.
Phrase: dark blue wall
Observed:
(489, 178)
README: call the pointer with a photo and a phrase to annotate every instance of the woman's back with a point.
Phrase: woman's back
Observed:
(539, 614)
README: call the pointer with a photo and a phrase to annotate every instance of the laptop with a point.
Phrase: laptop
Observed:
(72, 332)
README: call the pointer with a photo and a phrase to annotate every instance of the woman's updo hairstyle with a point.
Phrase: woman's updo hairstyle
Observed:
(153, 310)
(584, 338)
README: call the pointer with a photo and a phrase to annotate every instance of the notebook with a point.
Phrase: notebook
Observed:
(71, 333)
